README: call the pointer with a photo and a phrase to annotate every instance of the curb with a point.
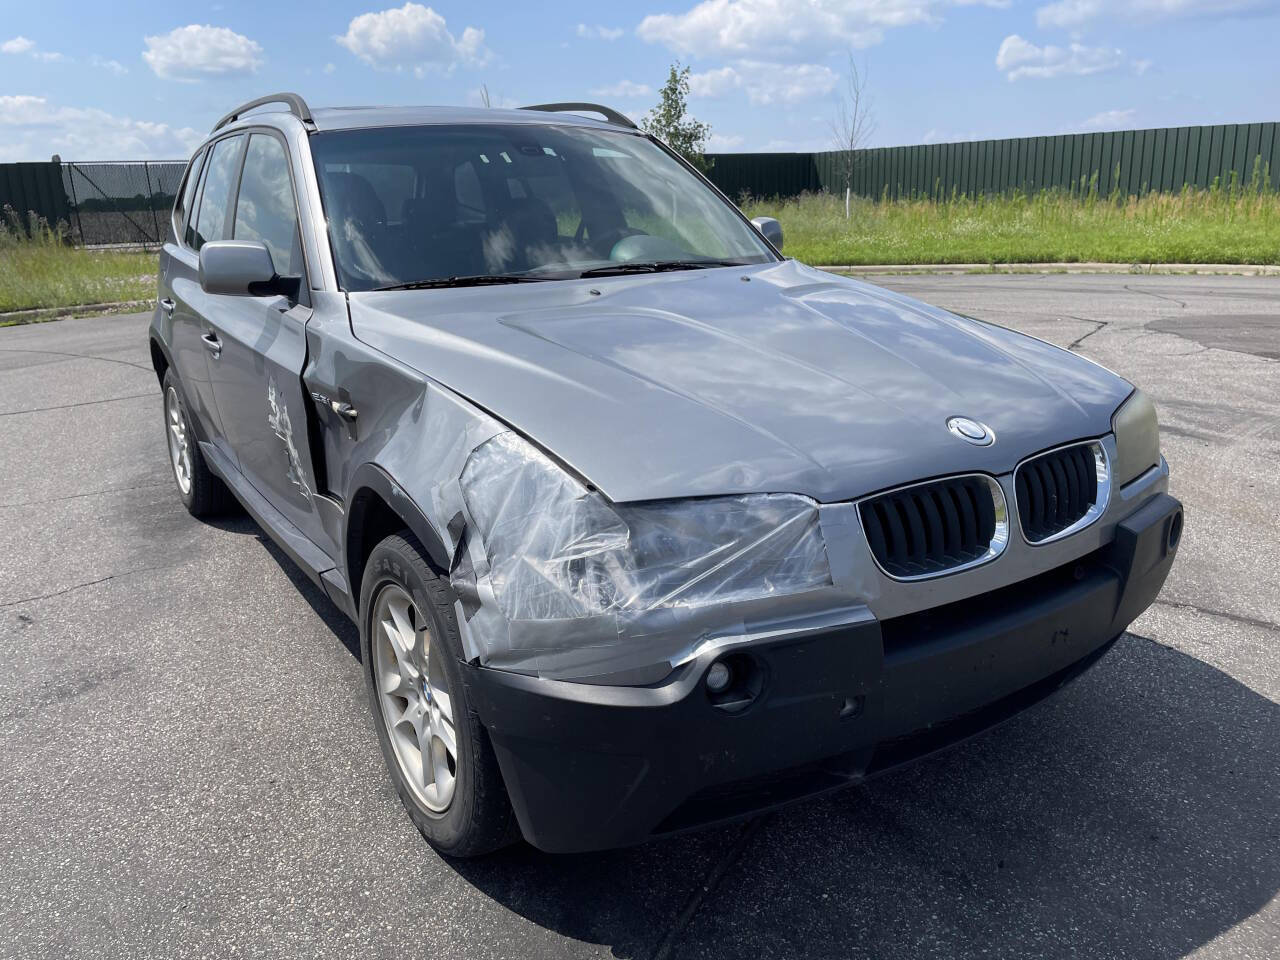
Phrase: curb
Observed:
(1166, 269)
(40, 314)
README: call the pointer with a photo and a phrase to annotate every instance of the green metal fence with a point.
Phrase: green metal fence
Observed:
(1128, 161)
(33, 188)
(97, 204)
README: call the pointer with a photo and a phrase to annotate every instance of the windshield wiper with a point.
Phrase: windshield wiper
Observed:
(656, 266)
(479, 280)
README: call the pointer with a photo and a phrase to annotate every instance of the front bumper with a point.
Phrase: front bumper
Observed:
(592, 766)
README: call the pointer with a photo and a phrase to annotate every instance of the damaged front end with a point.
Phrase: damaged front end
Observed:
(555, 579)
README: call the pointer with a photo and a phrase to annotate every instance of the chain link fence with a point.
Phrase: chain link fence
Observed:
(120, 203)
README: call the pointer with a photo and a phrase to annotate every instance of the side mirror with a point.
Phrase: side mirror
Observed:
(770, 228)
(242, 268)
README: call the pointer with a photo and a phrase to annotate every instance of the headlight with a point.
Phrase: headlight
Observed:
(1137, 438)
(558, 550)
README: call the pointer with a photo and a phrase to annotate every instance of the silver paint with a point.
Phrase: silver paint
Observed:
(800, 382)
(648, 387)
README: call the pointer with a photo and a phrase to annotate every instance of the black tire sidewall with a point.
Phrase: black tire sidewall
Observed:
(397, 561)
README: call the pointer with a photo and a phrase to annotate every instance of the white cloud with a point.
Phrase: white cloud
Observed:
(1019, 58)
(1141, 66)
(724, 142)
(329, 68)
(714, 83)
(1110, 120)
(19, 45)
(623, 88)
(765, 83)
(413, 37)
(111, 66)
(784, 29)
(597, 32)
(194, 52)
(32, 128)
(1075, 13)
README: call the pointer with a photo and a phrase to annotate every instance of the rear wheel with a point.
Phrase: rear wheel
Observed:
(203, 493)
(435, 748)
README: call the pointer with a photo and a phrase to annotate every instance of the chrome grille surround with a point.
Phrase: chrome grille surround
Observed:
(995, 546)
(1101, 499)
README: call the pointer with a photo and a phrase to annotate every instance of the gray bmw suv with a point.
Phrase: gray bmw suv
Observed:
(644, 526)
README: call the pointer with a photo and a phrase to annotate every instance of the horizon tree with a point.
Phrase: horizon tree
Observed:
(670, 122)
(852, 126)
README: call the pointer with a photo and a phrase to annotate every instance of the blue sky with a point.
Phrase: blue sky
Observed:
(134, 81)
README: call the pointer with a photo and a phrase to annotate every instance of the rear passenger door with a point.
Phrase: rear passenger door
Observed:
(180, 292)
(257, 370)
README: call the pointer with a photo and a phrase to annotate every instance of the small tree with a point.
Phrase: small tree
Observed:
(852, 126)
(670, 122)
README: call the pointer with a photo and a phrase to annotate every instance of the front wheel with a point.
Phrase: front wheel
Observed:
(435, 748)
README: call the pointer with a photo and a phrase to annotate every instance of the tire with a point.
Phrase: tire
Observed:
(203, 494)
(476, 818)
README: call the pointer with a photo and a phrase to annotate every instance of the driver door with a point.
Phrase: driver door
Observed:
(262, 346)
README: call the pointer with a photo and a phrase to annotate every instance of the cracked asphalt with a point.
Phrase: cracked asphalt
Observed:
(186, 767)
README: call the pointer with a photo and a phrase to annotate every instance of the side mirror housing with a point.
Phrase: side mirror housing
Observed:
(770, 229)
(242, 268)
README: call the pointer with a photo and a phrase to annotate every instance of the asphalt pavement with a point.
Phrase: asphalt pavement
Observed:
(187, 768)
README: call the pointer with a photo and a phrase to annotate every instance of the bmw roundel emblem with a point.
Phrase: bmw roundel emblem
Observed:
(972, 431)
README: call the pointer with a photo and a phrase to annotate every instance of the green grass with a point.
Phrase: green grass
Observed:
(43, 271)
(1228, 225)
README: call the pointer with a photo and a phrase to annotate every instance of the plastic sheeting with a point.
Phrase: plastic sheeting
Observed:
(550, 564)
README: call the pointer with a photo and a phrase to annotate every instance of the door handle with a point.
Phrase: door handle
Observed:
(167, 306)
(212, 344)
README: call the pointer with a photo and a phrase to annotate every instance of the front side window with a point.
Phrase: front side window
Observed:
(211, 218)
(408, 205)
(265, 208)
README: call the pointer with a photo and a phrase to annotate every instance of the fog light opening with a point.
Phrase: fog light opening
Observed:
(719, 677)
(734, 682)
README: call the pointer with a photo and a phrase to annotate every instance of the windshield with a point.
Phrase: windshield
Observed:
(411, 205)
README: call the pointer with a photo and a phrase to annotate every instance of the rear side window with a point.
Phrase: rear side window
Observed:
(211, 218)
(188, 193)
(265, 208)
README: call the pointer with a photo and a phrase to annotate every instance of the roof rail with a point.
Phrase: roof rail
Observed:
(610, 114)
(297, 106)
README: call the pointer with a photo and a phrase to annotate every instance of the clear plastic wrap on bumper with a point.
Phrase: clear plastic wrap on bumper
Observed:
(552, 577)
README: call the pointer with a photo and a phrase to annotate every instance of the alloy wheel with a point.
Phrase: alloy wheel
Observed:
(413, 697)
(179, 442)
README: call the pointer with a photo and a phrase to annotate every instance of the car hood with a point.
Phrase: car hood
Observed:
(774, 378)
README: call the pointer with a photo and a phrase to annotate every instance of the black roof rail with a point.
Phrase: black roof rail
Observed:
(297, 106)
(610, 114)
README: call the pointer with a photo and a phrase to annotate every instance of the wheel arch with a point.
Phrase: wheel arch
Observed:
(160, 360)
(377, 508)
